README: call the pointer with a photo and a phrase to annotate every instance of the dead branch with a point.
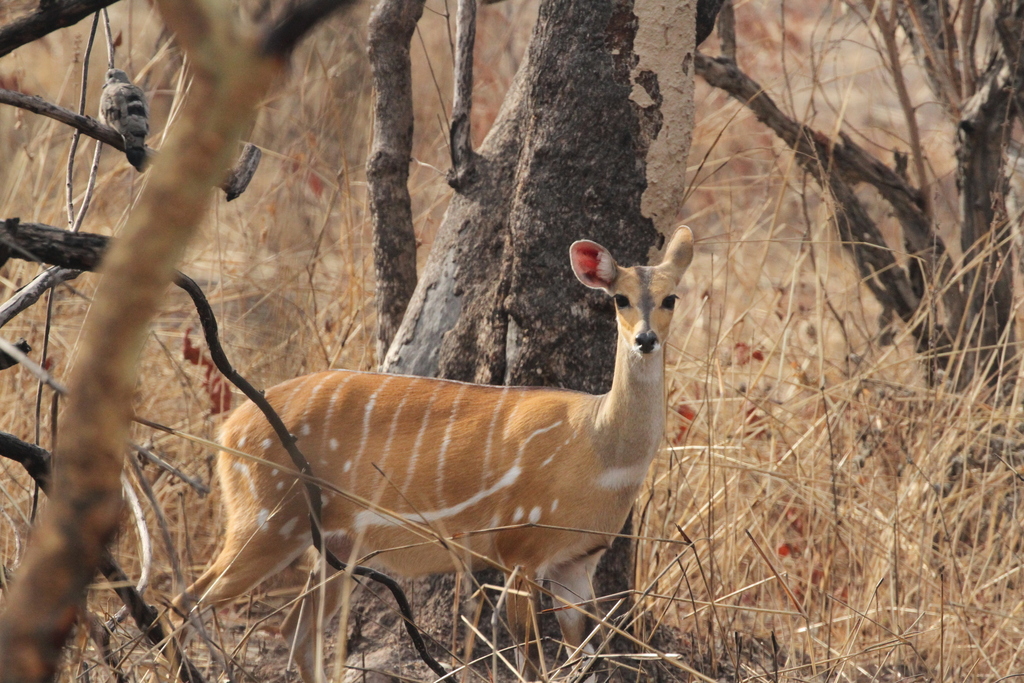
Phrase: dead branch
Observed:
(47, 18)
(707, 11)
(460, 135)
(31, 292)
(387, 167)
(982, 138)
(837, 166)
(234, 184)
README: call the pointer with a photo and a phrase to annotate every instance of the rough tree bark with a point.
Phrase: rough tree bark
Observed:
(387, 168)
(591, 142)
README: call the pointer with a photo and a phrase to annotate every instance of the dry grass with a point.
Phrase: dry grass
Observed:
(833, 499)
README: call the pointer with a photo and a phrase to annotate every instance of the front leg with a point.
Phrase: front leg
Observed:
(572, 582)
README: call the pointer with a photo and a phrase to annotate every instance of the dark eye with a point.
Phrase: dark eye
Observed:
(669, 302)
(621, 301)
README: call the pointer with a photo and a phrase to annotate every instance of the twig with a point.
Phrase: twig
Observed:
(70, 176)
(144, 540)
(888, 30)
(199, 487)
(245, 168)
(313, 492)
(30, 365)
(30, 293)
(161, 520)
(727, 29)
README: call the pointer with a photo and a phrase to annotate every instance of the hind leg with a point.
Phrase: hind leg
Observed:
(520, 606)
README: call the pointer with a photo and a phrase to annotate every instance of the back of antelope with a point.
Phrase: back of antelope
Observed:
(489, 468)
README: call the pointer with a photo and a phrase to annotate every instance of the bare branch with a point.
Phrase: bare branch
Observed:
(86, 124)
(30, 293)
(460, 135)
(727, 29)
(47, 18)
(837, 166)
(707, 11)
(387, 168)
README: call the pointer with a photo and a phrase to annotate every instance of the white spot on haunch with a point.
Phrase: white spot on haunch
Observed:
(368, 518)
(535, 514)
(274, 472)
(348, 465)
(289, 526)
(243, 469)
(554, 505)
(280, 485)
(333, 443)
(241, 442)
(518, 515)
(305, 430)
(261, 519)
(267, 443)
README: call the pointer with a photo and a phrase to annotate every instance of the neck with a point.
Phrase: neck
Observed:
(631, 417)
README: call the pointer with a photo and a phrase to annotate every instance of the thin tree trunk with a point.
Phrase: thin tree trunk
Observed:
(387, 168)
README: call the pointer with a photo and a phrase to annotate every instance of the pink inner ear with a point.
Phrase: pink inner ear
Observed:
(587, 260)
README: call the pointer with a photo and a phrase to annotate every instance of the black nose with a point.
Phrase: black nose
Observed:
(646, 341)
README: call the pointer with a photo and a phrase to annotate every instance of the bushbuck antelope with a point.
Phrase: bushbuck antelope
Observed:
(522, 477)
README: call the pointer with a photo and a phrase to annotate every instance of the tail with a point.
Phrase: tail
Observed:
(136, 156)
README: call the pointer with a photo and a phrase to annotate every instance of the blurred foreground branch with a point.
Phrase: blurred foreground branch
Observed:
(48, 17)
(68, 545)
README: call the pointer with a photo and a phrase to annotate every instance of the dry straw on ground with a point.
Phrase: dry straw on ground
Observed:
(832, 501)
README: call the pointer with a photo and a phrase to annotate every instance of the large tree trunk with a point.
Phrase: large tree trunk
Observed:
(591, 142)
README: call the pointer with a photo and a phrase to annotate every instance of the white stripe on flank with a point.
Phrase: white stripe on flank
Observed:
(527, 440)
(622, 477)
(424, 421)
(329, 415)
(283, 412)
(554, 452)
(394, 424)
(368, 518)
(490, 435)
(366, 420)
(445, 442)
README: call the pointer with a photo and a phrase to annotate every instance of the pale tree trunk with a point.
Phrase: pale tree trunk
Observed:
(591, 142)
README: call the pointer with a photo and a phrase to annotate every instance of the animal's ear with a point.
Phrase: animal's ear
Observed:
(593, 265)
(680, 250)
